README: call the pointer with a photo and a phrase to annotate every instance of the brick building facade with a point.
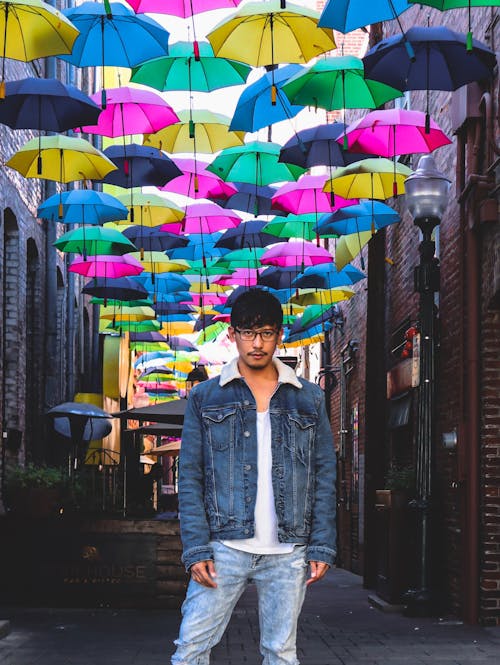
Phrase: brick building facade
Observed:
(376, 428)
(46, 341)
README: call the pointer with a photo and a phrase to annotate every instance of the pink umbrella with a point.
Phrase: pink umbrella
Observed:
(180, 8)
(204, 299)
(240, 277)
(295, 253)
(394, 132)
(196, 182)
(131, 111)
(207, 217)
(307, 195)
(107, 266)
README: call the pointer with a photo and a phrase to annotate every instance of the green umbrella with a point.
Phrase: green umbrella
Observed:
(293, 226)
(338, 83)
(248, 257)
(211, 332)
(312, 312)
(254, 162)
(130, 326)
(121, 303)
(183, 70)
(94, 240)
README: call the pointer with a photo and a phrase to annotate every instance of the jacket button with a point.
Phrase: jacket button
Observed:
(246, 402)
(248, 467)
(248, 499)
(247, 531)
(246, 433)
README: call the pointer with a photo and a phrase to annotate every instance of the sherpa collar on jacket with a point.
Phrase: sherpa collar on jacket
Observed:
(285, 373)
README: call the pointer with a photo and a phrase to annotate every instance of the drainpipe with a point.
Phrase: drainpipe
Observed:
(70, 293)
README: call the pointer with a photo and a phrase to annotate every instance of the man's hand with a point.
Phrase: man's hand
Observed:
(203, 572)
(318, 570)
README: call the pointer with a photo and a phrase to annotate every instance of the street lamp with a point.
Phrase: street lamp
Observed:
(426, 199)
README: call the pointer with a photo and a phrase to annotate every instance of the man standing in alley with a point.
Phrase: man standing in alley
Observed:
(256, 490)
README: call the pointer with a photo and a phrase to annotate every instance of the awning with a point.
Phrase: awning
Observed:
(399, 410)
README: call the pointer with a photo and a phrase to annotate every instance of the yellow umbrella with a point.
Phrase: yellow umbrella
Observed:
(197, 131)
(31, 29)
(125, 313)
(350, 246)
(159, 262)
(322, 296)
(177, 327)
(266, 33)
(304, 341)
(61, 158)
(149, 209)
(375, 178)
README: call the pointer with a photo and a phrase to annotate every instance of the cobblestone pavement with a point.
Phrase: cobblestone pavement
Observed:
(337, 627)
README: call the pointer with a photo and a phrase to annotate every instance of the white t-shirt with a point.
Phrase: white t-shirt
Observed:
(265, 539)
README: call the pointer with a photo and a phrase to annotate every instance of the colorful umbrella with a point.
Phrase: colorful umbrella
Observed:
(47, 104)
(323, 296)
(198, 131)
(254, 162)
(123, 288)
(158, 262)
(164, 283)
(207, 217)
(125, 313)
(32, 29)
(246, 234)
(250, 198)
(248, 257)
(112, 34)
(279, 278)
(293, 226)
(60, 158)
(153, 239)
(82, 206)
(139, 165)
(241, 276)
(295, 253)
(376, 178)
(348, 247)
(263, 103)
(107, 266)
(131, 111)
(198, 245)
(181, 8)
(317, 146)
(307, 195)
(392, 132)
(196, 182)
(366, 216)
(190, 67)
(444, 5)
(151, 210)
(326, 276)
(94, 240)
(348, 15)
(268, 33)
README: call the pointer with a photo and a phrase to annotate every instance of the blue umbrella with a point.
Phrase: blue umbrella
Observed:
(263, 103)
(82, 206)
(365, 216)
(318, 146)
(112, 34)
(46, 104)
(163, 283)
(326, 276)
(121, 288)
(167, 308)
(247, 234)
(152, 239)
(306, 333)
(200, 247)
(140, 165)
(347, 15)
(278, 278)
(255, 199)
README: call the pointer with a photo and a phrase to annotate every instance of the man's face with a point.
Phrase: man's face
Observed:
(256, 353)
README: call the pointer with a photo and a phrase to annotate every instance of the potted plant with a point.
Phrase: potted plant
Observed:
(38, 491)
(399, 484)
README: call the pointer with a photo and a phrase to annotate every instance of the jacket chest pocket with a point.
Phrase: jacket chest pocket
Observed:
(302, 428)
(220, 426)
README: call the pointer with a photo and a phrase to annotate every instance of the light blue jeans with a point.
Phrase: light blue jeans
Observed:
(280, 580)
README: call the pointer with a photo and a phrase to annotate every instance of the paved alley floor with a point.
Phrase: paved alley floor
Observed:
(337, 627)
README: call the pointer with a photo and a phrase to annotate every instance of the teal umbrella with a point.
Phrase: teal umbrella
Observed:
(94, 240)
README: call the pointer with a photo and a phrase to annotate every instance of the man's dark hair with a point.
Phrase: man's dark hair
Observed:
(254, 308)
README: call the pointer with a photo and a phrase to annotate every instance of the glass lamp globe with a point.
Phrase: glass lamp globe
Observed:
(427, 190)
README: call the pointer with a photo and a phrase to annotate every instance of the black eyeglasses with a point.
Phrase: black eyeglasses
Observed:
(248, 335)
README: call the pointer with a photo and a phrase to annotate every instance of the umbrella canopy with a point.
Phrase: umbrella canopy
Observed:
(318, 146)
(60, 158)
(307, 195)
(295, 253)
(240, 277)
(338, 83)
(348, 15)
(254, 162)
(140, 165)
(94, 240)
(157, 262)
(198, 246)
(263, 103)
(112, 34)
(123, 288)
(441, 60)
(394, 132)
(150, 209)
(198, 131)
(107, 266)
(82, 206)
(126, 313)
(164, 283)
(250, 198)
(181, 8)
(377, 178)
(326, 276)
(153, 239)
(208, 217)
(131, 111)
(246, 234)
(267, 33)
(185, 69)
(348, 247)
(33, 29)
(279, 278)
(366, 216)
(196, 182)
(47, 104)
(323, 296)
(293, 226)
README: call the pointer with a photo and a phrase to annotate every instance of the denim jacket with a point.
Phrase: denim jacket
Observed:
(218, 465)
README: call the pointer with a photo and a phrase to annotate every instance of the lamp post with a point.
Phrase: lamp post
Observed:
(426, 199)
